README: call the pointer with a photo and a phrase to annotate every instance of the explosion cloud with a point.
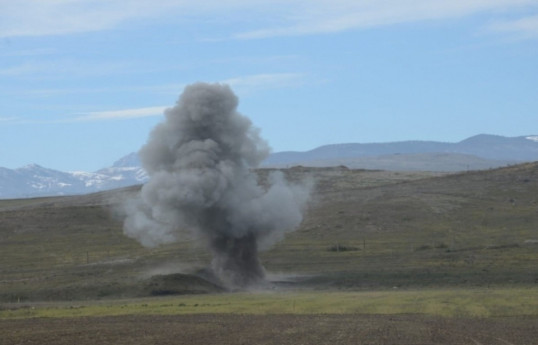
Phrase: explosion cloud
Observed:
(200, 162)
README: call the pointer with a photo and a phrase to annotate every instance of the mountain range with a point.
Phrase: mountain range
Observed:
(484, 150)
(34, 180)
(475, 153)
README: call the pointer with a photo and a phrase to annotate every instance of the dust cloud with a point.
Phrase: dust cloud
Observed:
(202, 186)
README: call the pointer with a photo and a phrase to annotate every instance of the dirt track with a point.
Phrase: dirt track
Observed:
(271, 329)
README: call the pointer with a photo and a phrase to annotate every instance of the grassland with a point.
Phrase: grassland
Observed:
(453, 303)
(364, 230)
(401, 249)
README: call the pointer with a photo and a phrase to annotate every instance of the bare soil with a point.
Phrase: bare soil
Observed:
(270, 329)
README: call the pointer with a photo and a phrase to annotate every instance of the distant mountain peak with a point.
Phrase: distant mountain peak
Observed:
(482, 138)
(131, 160)
(32, 166)
(34, 180)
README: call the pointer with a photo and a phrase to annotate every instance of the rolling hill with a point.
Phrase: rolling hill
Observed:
(478, 152)
(363, 230)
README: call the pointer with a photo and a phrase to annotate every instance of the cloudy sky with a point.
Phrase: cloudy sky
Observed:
(83, 82)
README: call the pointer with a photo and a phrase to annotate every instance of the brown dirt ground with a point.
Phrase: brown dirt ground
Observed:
(270, 329)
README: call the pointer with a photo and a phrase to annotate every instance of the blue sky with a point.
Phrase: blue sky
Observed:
(83, 82)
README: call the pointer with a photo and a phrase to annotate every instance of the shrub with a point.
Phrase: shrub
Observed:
(423, 247)
(341, 248)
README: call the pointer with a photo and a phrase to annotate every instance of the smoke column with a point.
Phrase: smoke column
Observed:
(200, 162)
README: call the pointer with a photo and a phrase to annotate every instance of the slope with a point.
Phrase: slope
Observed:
(363, 230)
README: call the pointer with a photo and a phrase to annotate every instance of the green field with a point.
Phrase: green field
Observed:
(439, 302)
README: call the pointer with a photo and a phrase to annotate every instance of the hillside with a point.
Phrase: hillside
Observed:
(364, 229)
(439, 162)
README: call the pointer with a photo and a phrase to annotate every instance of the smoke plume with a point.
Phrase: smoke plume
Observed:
(200, 162)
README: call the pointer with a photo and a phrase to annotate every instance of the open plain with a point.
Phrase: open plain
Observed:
(380, 258)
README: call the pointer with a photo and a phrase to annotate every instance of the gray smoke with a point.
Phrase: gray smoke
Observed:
(200, 162)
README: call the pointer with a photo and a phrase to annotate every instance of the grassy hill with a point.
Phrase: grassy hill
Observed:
(364, 230)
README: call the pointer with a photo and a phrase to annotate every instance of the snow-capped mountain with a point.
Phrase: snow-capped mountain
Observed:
(475, 153)
(34, 180)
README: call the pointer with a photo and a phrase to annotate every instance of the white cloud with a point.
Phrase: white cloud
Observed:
(8, 119)
(106, 115)
(242, 85)
(28, 52)
(54, 17)
(60, 17)
(67, 68)
(239, 84)
(523, 27)
(122, 114)
(314, 17)
(272, 17)
(169, 89)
